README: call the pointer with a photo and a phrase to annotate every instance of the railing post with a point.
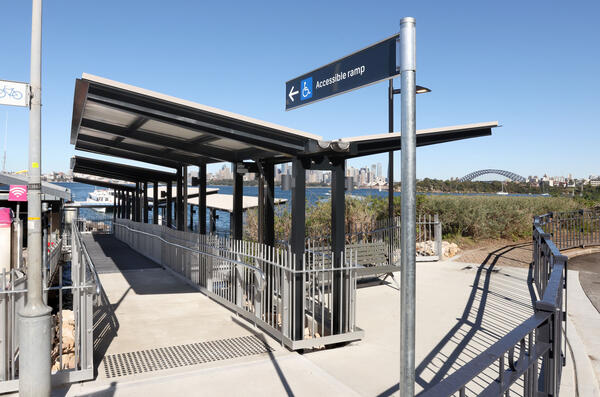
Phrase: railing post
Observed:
(3, 329)
(437, 232)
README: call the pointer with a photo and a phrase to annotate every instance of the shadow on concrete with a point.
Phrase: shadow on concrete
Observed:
(108, 392)
(113, 256)
(261, 336)
(106, 326)
(494, 308)
(588, 267)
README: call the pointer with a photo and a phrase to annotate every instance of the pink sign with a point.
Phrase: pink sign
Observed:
(17, 193)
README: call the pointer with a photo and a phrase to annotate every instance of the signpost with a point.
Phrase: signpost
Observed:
(14, 93)
(365, 67)
(368, 66)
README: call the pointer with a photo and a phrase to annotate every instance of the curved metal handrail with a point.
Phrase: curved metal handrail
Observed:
(550, 280)
(261, 275)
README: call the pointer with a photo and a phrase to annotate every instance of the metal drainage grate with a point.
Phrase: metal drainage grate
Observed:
(123, 364)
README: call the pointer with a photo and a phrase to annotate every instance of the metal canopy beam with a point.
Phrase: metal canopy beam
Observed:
(108, 185)
(181, 158)
(195, 146)
(261, 139)
(124, 172)
(111, 151)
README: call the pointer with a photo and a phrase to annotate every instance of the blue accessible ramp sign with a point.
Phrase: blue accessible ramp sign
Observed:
(365, 67)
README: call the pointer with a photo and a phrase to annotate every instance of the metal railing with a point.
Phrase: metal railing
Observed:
(259, 282)
(72, 355)
(377, 245)
(529, 359)
(53, 259)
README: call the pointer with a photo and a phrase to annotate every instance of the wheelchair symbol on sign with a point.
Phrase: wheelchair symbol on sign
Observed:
(306, 91)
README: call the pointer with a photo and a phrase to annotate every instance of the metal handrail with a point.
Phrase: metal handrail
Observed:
(262, 279)
(547, 319)
(91, 265)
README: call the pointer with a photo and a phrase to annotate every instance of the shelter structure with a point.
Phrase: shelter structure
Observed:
(116, 119)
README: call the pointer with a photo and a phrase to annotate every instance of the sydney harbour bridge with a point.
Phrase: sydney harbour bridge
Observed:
(510, 175)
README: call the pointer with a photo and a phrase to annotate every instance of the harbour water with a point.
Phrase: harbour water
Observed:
(80, 192)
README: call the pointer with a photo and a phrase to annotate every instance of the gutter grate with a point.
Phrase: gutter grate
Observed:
(131, 363)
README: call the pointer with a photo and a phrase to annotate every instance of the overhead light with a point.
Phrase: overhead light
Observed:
(419, 89)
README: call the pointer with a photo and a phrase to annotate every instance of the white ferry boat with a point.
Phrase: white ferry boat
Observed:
(101, 196)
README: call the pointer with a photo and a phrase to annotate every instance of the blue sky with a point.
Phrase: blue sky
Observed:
(530, 65)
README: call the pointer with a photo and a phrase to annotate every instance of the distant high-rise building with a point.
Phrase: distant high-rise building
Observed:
(379, 170)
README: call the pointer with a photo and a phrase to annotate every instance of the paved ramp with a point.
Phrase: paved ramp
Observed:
(112, 256)
(152, 320)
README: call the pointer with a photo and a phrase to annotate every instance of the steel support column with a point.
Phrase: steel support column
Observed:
(146, 202)
(169, 204)
(238, 197)
(184, 207)
(338, 239)
(155, 202)
(409, 198)
(261, 208)
(121, 204)
(202, 199)
(114, 205)
(213, 220)
(269, 211)
(179, 201)
(391, 153)
(133, 201)
(117, 209)
(297, 244)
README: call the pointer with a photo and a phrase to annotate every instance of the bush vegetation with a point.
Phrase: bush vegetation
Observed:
(473, 217)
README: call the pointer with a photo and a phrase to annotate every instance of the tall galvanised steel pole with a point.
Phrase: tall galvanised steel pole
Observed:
(34, 327)
(409, 198)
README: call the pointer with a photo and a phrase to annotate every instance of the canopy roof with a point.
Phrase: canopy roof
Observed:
(107, 169)
(121, 120)
(130, 122)
(373, 144)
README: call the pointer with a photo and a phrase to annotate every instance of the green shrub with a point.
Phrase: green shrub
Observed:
(474, 217)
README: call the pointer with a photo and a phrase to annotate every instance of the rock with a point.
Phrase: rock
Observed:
(428, 248)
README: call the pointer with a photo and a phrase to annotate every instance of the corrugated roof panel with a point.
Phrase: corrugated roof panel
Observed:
(98, 112)
(175, 131)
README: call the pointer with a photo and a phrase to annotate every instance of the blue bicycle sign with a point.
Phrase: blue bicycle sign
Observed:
(11, 92)
(14, 93)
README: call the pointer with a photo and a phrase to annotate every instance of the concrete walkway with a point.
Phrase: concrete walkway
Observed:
(462, 309)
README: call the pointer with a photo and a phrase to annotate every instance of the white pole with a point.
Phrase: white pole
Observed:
(34, 330)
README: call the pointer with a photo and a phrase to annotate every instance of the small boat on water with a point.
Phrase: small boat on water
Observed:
(502, 193)
(101, 196)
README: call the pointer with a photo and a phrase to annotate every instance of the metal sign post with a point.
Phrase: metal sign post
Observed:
(365, 67)
(409, 199)
(34, 329)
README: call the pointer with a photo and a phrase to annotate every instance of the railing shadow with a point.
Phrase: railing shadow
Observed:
(493, 309)
(106, 326)
(261, 336)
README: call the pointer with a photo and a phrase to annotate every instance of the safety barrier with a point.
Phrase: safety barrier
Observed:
(73, 361)
(377, 245)
(539, 342)
(303, 308)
